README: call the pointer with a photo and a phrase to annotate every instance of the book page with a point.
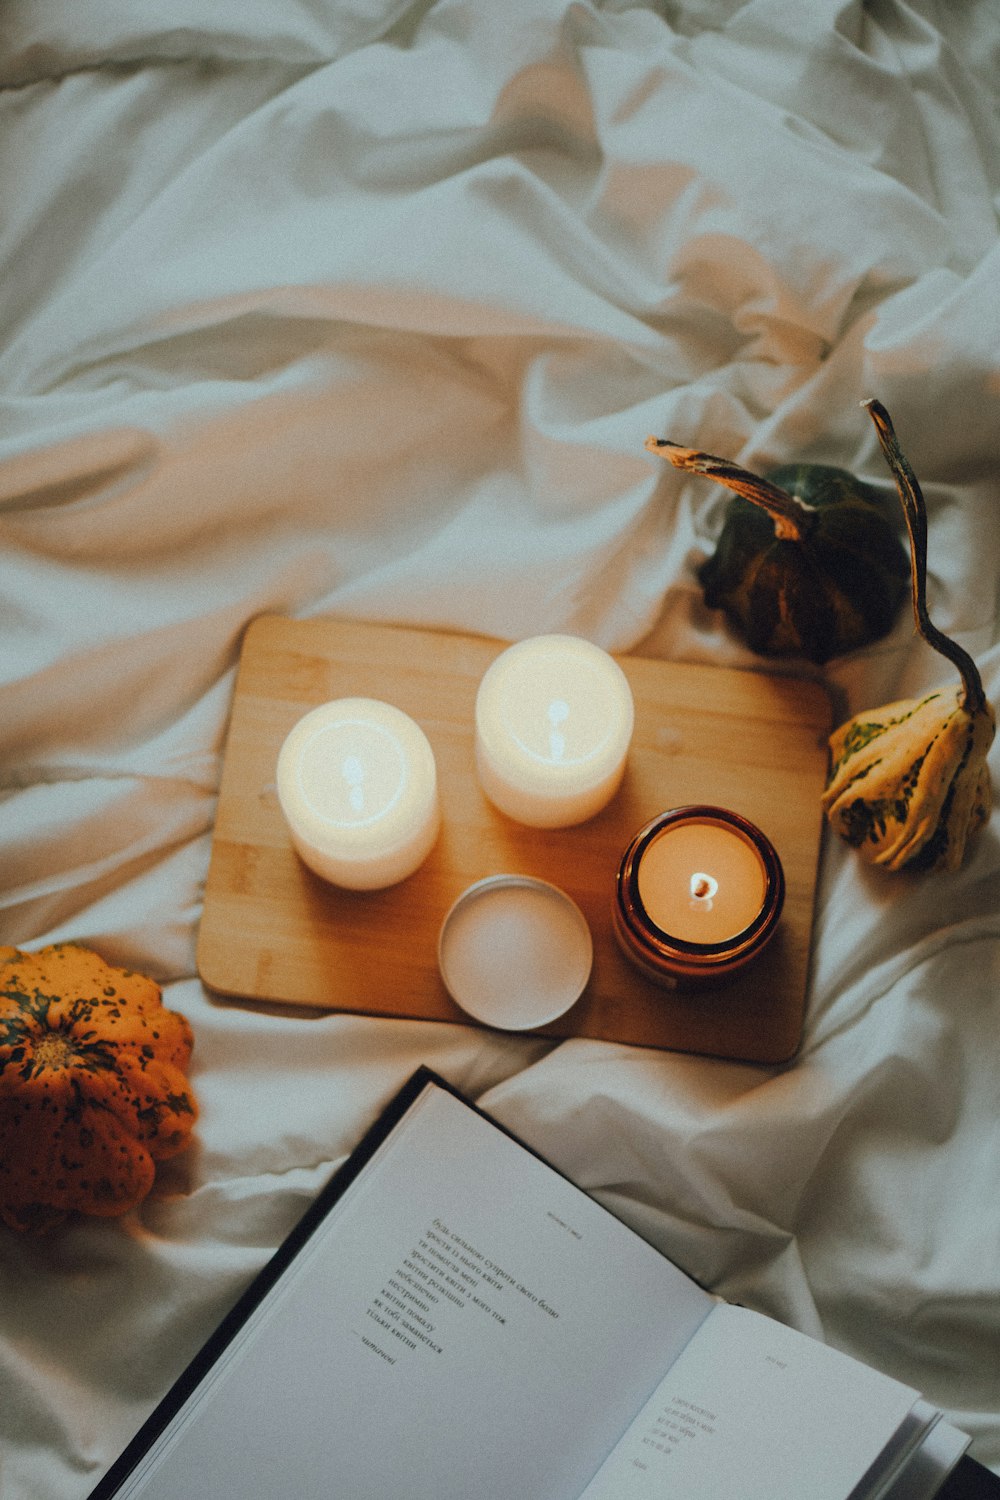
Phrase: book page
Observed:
(465, 1322)
(755, 1409)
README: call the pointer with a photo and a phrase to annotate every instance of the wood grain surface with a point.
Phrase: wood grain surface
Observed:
(272, 931)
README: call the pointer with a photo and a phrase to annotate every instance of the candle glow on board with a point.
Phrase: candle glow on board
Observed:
(554, 720)
(357, 784)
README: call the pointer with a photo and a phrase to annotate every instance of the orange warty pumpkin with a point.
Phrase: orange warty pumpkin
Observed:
(93, 1086)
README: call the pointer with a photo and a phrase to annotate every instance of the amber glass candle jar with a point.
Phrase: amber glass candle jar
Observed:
(698, 895)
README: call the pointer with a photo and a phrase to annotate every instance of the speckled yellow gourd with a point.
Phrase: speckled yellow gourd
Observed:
(908, 783)
(93, 1086)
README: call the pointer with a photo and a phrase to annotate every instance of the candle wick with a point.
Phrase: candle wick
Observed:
(703, 888)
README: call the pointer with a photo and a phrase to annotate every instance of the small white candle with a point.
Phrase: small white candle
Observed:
(554, 718)
(357, 783)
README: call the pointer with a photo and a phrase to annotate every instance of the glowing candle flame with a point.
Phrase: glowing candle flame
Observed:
(703, 889)
(558, 714)
(353, 773)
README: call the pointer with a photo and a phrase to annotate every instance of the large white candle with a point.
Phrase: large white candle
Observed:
(357, 783)
(554, 718)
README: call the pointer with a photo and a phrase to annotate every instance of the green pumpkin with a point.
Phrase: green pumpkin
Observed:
(809, 562)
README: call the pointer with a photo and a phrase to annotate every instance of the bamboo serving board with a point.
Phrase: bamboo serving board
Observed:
(273, 931)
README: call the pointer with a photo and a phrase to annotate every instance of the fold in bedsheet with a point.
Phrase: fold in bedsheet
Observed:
(367, 310)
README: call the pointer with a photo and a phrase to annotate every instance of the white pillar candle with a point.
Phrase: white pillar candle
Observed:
(554, 718)
(357, 783)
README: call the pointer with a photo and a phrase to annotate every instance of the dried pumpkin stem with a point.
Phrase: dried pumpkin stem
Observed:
(792, 517)
(915, 512)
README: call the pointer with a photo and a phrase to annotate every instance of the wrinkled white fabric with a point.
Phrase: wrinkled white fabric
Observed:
(367, 310)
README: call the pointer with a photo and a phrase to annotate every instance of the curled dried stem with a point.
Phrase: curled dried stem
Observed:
(915, 512)
(792, 517)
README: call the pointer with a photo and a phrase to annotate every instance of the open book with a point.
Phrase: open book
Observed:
(453, 1318)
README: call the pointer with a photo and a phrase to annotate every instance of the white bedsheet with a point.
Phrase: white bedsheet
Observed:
(366, 310)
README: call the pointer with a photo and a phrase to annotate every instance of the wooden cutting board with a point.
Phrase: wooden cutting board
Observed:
(272, 931)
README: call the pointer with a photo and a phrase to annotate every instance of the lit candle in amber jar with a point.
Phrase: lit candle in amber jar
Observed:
(699, 894)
